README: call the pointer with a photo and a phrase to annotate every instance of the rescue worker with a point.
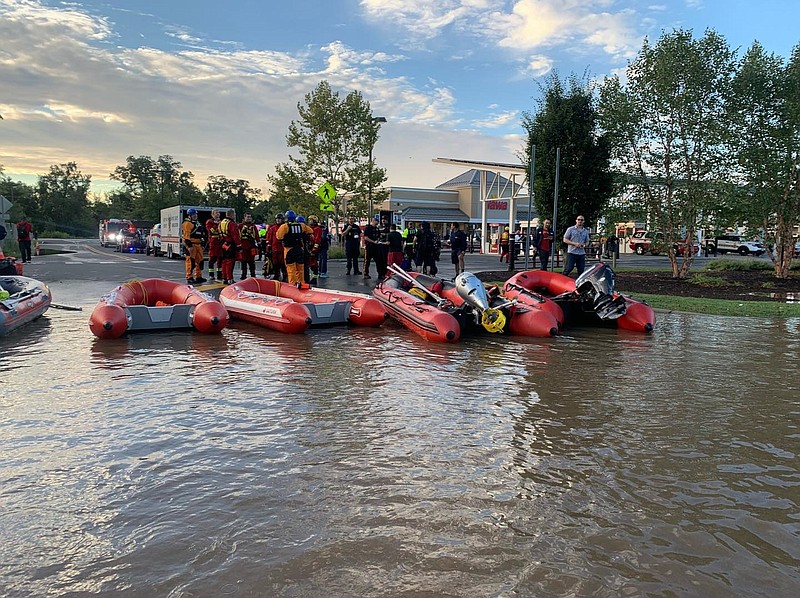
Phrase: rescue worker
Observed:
(275, 248)
(262, 241)
(316, 244)
(229, 232)
(409, 234)
(214, 246)
(505, 241)
(194, 237)
(248, 233)
(294, 235)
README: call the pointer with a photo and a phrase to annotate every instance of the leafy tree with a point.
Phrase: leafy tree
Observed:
(156, 184)
(765, 111)
(333, 138)
(566, 118)
(21, 195)
(236, 194)
(668, 131)
(63, 199)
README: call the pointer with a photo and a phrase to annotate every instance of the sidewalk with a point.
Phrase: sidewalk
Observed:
(474, 262)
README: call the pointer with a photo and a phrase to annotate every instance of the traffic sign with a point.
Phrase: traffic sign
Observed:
(326, 207)
(326, 192)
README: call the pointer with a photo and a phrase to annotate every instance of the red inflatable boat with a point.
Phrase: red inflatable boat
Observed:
(420, 314)
(155, 304)
(286, 308)
(537, 318)
(589, 299)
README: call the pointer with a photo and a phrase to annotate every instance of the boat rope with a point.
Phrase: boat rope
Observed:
(133, 284)
(527, 292)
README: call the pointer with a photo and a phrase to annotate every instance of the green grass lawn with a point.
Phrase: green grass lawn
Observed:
(722, 307)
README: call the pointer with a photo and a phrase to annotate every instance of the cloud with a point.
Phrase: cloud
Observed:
(497, 120)
(218, 111)
(527, 25)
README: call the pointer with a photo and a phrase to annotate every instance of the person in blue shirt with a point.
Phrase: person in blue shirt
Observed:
(577, 240)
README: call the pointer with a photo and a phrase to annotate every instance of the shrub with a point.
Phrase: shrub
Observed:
(739, 265)
(54, 234)
(704, 280)
(10, 248)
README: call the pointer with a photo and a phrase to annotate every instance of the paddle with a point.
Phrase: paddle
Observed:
(394, 269)
(66, 307)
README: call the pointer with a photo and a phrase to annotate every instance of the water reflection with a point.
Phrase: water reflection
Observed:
(368, 462)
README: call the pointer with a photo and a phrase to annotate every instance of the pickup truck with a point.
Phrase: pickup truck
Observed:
(653, 242)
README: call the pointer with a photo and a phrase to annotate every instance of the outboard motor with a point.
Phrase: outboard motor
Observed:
(596, 289)
(471, 290)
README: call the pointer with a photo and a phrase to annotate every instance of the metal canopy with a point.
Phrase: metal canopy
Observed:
(478, 165)
(497, 167)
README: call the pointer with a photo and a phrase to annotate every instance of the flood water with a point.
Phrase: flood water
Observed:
(352, 462)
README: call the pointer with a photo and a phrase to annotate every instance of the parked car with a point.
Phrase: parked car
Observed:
(653, 242)
(735, 244)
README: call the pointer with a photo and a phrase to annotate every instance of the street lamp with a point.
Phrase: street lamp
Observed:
(372, 140)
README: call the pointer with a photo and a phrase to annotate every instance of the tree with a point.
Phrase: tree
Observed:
(668, 131)
(63, 198)
(155, 185)
(567, 119)
(333, 138)
(765, 111)
(236, 194)
(21, 195)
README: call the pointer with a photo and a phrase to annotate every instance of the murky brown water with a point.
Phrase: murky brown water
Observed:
(370, 463)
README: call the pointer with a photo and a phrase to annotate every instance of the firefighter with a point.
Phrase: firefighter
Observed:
(316, 244)
(229, 232)
(294, 236)
(275, 249)
(194, 237)
(248, 233)
(214, 246)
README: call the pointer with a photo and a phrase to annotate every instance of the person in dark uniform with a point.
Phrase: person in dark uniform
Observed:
(372, 237)
(352, 245)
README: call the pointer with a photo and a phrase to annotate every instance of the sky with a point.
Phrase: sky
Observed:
(216, 84)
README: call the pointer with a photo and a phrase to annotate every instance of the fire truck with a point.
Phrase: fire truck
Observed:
(110, 228)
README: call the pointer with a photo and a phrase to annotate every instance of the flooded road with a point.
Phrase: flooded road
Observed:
(351, 462)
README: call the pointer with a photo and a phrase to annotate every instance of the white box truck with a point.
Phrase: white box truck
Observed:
(171, 221)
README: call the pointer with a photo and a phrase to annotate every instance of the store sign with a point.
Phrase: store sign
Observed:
(496, 205)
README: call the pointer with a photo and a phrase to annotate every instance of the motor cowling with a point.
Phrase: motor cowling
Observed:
(596, 289)
(472, 291)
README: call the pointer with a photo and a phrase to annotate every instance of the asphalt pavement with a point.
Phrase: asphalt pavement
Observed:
(82, 270)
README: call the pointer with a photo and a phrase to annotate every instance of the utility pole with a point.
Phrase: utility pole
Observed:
(372, 140)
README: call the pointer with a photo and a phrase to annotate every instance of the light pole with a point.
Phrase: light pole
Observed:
(372, 140)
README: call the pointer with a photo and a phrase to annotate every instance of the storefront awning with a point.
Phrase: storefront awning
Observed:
(434, 215)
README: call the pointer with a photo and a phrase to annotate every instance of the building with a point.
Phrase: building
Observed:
(481, 199)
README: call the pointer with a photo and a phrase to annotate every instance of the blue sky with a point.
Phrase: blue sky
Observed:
(215, 84)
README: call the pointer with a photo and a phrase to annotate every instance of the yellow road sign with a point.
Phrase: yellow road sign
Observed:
(326, 207)
(326, 192)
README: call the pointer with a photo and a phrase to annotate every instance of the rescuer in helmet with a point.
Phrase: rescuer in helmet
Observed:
(194, 237)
